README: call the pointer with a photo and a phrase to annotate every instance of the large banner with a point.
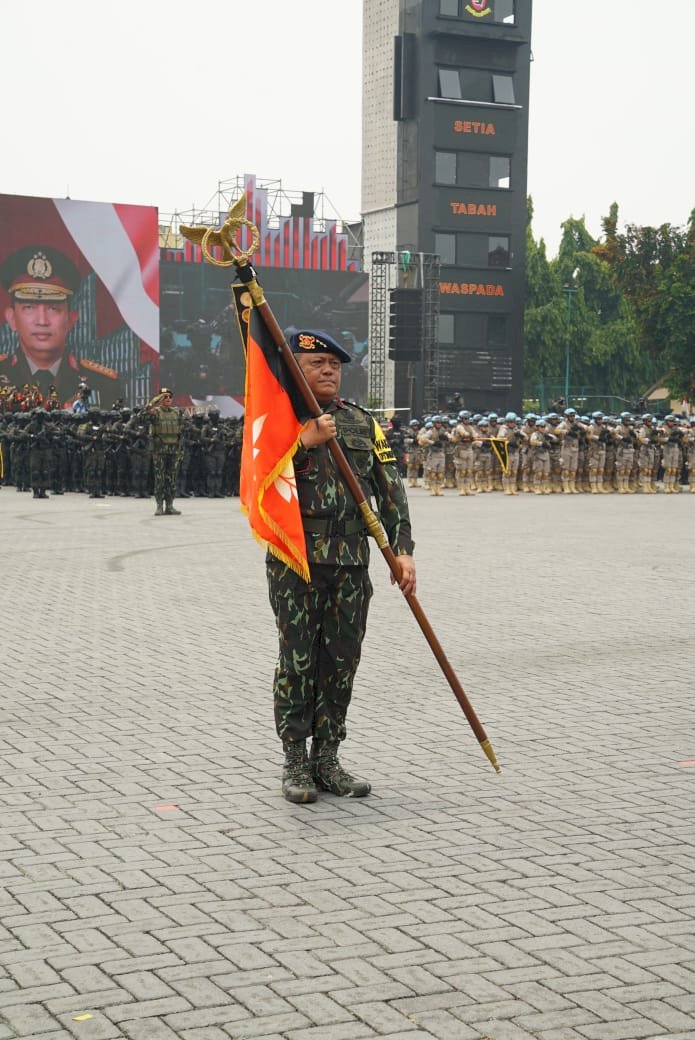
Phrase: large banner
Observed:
(79, 299)
(201, 352)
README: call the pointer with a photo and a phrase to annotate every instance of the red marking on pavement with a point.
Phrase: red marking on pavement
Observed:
(166, 808)
(691, 763)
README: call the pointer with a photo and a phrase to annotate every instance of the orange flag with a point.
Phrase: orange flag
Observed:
(272, 424)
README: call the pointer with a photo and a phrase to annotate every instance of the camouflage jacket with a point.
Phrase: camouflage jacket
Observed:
(332, 522)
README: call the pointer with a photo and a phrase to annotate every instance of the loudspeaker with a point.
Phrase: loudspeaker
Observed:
(406, 324)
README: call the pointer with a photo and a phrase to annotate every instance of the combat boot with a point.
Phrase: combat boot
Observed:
(170, 511)
(297, 782)
(329, 775)
(159, 511)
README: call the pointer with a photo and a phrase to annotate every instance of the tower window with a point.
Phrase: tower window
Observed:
(503, 89)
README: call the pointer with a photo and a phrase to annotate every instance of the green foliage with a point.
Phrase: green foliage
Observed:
(622, 309)
(543, 319)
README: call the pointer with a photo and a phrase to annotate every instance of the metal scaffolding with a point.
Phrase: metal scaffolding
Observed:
(379, 285)
(404, 270)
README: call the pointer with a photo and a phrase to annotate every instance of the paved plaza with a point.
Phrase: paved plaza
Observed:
(154, 885)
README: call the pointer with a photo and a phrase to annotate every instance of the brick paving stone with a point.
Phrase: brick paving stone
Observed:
(28, 1019)
(628, 1029)
(445, 1026)
(200, 992)
(149, 1029)
(662, 1013)
(98, 1027)
(320, 1009)
(210, 1033)
(554, 901)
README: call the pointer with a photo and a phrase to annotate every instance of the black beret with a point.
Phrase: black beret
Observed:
(315, 341)
(40, 273)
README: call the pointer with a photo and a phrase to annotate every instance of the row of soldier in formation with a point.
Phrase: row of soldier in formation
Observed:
(110, 453)
(559, 452)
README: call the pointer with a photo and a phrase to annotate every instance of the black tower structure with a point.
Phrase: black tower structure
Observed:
(460, 101)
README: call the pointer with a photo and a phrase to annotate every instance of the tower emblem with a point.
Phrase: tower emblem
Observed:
(478, 8)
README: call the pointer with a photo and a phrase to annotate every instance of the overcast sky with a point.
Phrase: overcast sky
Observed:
(157, 101)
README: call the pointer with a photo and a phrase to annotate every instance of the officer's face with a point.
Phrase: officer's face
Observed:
(42, 328)
(323, 373)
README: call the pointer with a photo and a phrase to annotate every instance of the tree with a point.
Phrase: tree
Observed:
(654, 268)
(544, 329)
(674, 316)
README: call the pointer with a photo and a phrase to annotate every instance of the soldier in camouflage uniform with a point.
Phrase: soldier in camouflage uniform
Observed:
(689, 451)
(214, 444)
(647, 452)
(19, 453)
(91, 435)
(432, 440)
(625, 442)
(569, 431)
(597, 436)
(140, 454)
(540, 443)
(185, 459)
(482, 465)
(510, 432)
(166, 424)
(39, 454)
(670, 437)
(321, 624)
(414, 452)
(463, 437)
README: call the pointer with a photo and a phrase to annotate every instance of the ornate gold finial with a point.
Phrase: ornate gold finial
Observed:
(225, 237)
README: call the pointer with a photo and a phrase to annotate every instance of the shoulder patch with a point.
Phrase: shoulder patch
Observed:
(93, 366)
(382, 448)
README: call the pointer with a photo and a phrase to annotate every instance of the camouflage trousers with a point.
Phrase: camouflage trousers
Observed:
(321, 626)
(165, 464)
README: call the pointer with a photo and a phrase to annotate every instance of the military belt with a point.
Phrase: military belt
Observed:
(329, 526)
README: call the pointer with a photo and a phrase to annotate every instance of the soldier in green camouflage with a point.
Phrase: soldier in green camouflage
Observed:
(321, 624)
(166, 426)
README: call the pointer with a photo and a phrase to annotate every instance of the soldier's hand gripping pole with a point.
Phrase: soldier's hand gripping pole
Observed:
(232, 254)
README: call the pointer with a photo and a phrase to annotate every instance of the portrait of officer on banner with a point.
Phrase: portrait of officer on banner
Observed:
(77, 319)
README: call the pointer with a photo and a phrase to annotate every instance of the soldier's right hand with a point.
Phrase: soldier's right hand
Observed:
(317, 431)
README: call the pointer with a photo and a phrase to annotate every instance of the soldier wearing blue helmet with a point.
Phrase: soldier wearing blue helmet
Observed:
(569, 432)
(433, 440)
(597, 437)
(526, 456)
(648, 454)
(510, 432)
(625, 441)
(689, 447)
(414, 452)
(463, 437)
(670, 437)
(482, 466)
